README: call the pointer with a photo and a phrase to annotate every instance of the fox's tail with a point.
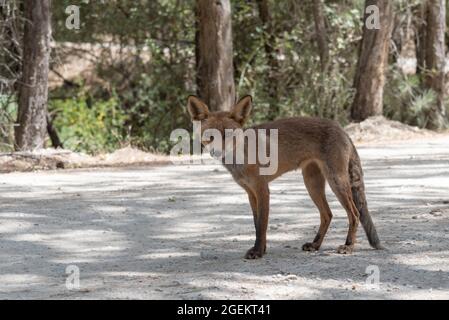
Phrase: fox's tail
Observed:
(358, 195)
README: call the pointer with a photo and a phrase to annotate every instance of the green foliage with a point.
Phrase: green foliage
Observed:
(91, 129)
(151, 92)
(153, 118)
(146, 83)
(405, 100)
(154, 70)
(304, 89)
(8, 112)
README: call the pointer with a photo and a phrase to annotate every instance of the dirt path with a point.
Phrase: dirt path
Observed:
(181, 231)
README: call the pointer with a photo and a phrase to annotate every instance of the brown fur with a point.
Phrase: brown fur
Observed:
(321, 149)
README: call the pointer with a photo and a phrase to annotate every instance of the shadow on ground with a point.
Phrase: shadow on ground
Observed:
(180, 232)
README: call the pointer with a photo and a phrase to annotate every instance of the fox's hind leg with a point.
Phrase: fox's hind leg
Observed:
(315, 184)
(340, 184)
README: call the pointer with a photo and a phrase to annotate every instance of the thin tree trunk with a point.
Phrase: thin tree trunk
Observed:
(10, 17)
(435, 58)
(421, 38)
(321, 33)
(270, 51)
(373, 59)
(33, 91)
(215, 54)
(53, 134)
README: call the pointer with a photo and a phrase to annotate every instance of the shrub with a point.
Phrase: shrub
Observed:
(96, 128)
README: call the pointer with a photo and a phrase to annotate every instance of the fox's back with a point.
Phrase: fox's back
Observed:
(301, 139)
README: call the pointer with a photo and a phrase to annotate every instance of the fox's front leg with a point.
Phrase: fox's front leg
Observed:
(260, 203)
(253, 202)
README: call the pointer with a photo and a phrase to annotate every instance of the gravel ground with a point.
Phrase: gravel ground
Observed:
(180, 232)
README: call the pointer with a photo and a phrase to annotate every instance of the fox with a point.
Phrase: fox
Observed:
(320, 148)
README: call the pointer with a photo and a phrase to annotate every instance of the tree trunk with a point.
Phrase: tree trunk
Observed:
(270, 52)
(11, 16)
(421, 38)
(33, 91)
(321, 33)
(53, 134)
(434, 60)
(215, 54)
(373, 59)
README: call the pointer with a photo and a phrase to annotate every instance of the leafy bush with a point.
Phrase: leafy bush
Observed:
(145, 83)
(91, 129)
(149, 77)
(303, 88)
(405, 100)
(8, 114)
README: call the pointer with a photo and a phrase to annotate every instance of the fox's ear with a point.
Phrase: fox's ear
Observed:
(197, 108)
(242, 109)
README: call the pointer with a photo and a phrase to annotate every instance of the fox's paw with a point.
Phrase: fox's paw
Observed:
(310, 247)
(345, 249)
(254, 253)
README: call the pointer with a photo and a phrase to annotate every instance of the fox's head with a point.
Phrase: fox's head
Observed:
(221, 120)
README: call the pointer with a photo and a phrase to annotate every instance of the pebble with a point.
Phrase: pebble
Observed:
(436, 212)
(208, 256)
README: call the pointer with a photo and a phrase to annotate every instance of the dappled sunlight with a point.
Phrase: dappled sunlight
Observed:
(82, 243)
(14, 226)
(182, 231)
(432, 261)
(166, 255)
(19, 282)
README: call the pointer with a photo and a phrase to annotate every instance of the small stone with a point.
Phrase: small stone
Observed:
(208, 256)
(436, 212)
(291, 277)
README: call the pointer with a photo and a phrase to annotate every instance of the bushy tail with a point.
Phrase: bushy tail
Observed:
(358, 195)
